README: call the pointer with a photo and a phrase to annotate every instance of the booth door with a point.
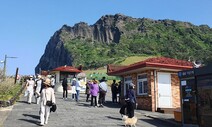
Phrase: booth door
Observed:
(164, 90)
(204, 88)
(189, 101)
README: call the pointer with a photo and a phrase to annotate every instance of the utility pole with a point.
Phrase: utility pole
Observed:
(5, 65)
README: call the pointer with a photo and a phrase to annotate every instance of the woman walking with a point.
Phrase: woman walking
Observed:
(38, 83)
(30, 87)
(130, 98)
(47, 94)
(94, 89)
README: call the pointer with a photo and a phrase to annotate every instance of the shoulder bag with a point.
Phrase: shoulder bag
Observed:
(48, 102)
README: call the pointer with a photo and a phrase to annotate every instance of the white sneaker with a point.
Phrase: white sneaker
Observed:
(41, 124)
(46, 123)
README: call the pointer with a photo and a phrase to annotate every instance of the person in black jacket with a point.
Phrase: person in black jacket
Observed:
(114, 91)
(131, 101)
(65, 88)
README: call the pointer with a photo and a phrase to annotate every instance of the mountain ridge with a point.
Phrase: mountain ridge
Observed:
(115, 37)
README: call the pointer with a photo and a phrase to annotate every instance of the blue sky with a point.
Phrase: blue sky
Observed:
(26, 26)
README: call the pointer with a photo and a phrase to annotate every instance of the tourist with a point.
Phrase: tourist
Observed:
(30, 89)
(114, 91)
(52, 81)
(78, 88)
(102, 91)
(73, 88)
(87, 90)
(47, 94)
(65, 88)
(38, 84)
(130, 99)
(119, 91)
(94, 89)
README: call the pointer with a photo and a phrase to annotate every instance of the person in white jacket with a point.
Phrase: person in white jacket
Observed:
(38, 84)
(29, 92)
(47, 94)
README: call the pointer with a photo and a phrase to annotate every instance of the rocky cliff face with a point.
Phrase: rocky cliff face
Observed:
(107, 29)
(55, 55)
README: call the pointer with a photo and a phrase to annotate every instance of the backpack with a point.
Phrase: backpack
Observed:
(74, 82)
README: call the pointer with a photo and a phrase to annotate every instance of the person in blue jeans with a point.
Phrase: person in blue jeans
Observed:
(73, 88)
(78, 88)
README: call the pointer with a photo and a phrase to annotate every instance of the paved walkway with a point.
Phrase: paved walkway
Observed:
(77, 114)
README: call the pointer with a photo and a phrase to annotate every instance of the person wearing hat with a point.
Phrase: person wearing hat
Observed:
(38, 84)
(30, 86)
(47, 94)
(130, 98)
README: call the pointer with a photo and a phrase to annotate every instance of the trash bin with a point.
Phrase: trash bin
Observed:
(177, 115)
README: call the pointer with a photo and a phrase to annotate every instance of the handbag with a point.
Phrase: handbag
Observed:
(53, 108)
(49, 103)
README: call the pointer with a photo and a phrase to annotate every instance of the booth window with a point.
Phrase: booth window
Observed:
(142, 85)
(127, 81)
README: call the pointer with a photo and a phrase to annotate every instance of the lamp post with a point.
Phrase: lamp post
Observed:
(5, 64)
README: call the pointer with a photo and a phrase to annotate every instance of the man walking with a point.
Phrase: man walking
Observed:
(102, 91)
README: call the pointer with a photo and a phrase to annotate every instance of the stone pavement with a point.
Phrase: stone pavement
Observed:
(73, 114)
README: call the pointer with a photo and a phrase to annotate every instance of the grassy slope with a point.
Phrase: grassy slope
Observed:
(8, 89)
(102, 71)
(134, 59)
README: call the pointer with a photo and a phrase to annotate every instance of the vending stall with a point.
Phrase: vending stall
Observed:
(196, 97)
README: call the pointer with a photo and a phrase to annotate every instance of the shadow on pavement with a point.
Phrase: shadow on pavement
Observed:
(30, 121)
(32, 116)
(22, 102)
(158, 123)
(83, 104)
(115, 118)
(110, 104)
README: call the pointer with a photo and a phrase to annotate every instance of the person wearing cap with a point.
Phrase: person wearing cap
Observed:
(47, 94)
(38, 84)
(102, 91)
(130, 98)
(30, 87)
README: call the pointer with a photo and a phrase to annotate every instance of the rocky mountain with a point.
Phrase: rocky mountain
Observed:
(114, 37)
(55, 55)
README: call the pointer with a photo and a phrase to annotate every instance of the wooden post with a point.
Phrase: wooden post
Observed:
(16, 74)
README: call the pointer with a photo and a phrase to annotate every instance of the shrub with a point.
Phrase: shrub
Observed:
(8, 89)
